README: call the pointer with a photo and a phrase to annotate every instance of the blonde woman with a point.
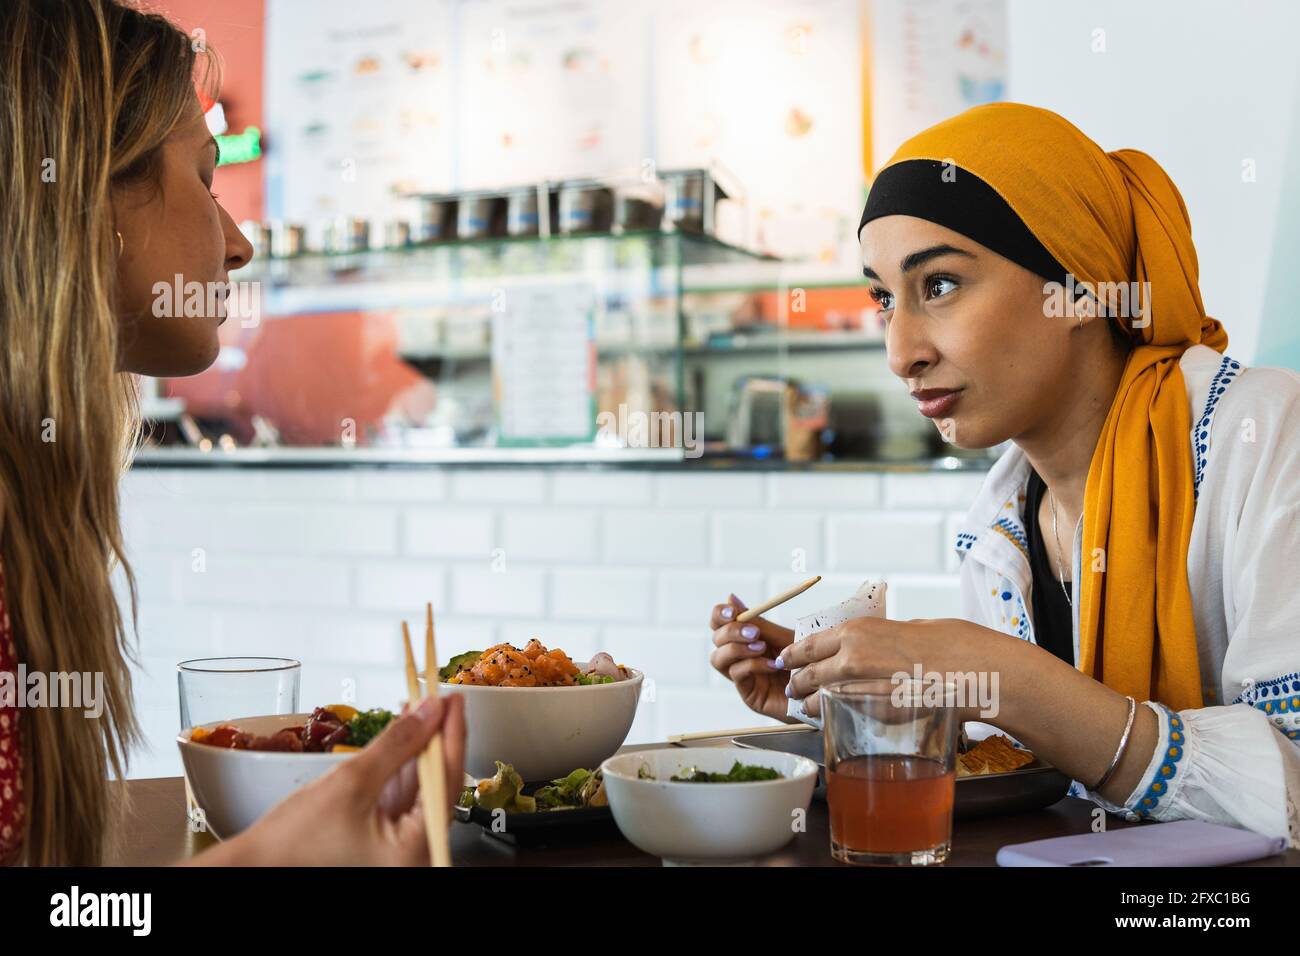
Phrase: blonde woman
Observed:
(107, 190)
(1129, 568)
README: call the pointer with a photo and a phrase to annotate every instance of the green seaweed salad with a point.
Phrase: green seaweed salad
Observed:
(739, 773)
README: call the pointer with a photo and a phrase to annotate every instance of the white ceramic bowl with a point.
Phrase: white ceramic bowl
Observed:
(235, 787)
(546, 732)
(707, 822)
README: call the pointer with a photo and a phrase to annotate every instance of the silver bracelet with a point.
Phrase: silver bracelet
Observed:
(1123, 743)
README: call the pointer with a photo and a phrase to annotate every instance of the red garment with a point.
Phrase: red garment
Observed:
(12, 807)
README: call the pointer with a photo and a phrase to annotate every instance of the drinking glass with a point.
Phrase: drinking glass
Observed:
(891, 750)
(225, 688)
(216, 689)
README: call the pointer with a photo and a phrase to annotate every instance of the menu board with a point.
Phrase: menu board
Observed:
(544, 364)
(359, 107)
(552, 89)
(772, 92)
(365, 101)
(932, 59)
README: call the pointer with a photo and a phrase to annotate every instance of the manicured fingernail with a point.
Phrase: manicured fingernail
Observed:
(728, 613)
(737, 601)
(778, 664)
(749, 632)
(757, 646)
(789, 691)
(774, 664)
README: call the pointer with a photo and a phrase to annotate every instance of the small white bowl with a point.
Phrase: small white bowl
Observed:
(708, 823)
(235, 787)
(545, 732)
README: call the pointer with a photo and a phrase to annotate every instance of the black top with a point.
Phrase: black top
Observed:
(1053, 617)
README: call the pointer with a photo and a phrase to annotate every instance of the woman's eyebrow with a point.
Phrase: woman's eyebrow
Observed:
(919, 258)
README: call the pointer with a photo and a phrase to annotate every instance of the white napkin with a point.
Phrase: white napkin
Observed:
(868, 601)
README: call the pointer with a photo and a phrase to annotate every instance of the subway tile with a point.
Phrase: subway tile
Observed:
(266, 580)
(515, 592)
(448, 532)
(924, 596)
(563, 535)
(886, 541)
(820, 490)
(687, 597)
(770, 540)
(399, 586)
(587, 594)
(646, 537)
(680, 710)
(612, 486)
(723, 490)
(402, 484)
(932, 490)
(500, 485)
(676, 657)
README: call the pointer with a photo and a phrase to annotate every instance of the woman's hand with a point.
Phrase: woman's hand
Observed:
(364, 812)
(746, 655)
(878, 647)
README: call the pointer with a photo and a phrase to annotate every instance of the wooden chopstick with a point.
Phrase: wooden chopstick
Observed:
(770, 603)
(429, 766)
(740, 732)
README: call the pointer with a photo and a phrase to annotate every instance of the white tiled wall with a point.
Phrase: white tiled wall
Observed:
(323, 565)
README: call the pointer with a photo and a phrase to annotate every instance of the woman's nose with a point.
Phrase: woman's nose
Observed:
(239, 251)
(910, 351)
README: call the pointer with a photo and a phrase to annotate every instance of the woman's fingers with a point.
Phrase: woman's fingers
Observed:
(810, 677)
(753, 667)
(729, 653)
(400, 741)
(453, 744)
(814, 647)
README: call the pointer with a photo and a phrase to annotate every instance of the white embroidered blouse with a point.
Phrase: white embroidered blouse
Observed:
(1236, 761)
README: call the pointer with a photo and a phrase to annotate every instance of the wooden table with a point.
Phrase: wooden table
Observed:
(157, 833)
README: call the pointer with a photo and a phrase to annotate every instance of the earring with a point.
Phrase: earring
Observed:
(120, 245)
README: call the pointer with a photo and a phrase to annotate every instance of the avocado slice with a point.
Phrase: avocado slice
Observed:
(461, 662)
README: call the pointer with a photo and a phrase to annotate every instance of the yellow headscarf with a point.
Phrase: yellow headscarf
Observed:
(1113, 217)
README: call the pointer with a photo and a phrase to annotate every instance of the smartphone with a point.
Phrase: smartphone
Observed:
(1178, 843)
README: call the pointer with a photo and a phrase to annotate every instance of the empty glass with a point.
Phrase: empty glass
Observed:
(225, 688)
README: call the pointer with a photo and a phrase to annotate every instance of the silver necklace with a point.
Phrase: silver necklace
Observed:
(1060, 573)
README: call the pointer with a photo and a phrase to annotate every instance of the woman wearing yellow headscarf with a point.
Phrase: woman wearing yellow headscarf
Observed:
(1041, 291)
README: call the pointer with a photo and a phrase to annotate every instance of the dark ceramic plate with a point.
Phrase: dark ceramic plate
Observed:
(541, 827)
(1029, 788)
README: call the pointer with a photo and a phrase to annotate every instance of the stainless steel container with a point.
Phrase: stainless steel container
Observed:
(479, 216)
(585, 206)
(435, 219)
(397, 234)
(287, 239)
(522, 217)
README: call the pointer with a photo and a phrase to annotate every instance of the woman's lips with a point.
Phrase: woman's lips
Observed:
(936, 402)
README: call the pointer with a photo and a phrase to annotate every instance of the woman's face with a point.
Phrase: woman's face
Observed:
(967, 330)
(175, 227)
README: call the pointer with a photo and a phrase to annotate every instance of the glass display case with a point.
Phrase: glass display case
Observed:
(640, 346)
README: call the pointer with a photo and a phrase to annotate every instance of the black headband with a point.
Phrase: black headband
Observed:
(963, 203)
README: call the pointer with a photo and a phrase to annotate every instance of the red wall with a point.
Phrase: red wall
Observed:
(236, 30)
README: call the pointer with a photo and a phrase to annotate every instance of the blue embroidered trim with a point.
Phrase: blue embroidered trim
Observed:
(965, 540)
(1275, 687)
(1014, 532)
(1168, 766)
(1228, 369)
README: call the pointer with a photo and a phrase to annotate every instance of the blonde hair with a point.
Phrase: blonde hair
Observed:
(89, 90)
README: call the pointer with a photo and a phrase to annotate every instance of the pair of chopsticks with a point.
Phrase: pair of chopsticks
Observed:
(740, 732)
(429, 765)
